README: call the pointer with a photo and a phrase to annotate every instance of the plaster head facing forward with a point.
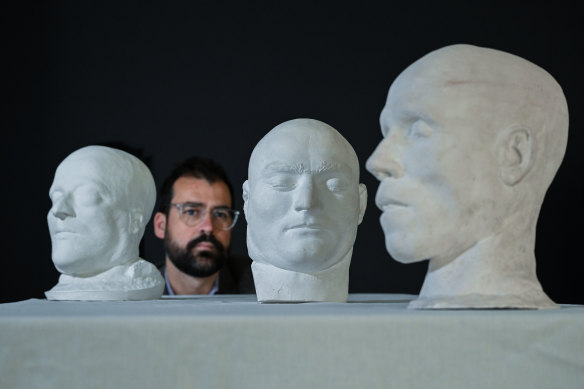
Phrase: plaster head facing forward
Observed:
(303, 200)
(102, 199)
(472, 139)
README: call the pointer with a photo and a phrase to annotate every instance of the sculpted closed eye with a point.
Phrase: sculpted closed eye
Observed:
(335, 184)
(282, 182)
(421, 129)
(88, 196)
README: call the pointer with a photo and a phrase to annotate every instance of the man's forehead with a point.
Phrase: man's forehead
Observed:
(200, 190)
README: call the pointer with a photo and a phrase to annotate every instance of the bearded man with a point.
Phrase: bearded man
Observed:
(195, 219)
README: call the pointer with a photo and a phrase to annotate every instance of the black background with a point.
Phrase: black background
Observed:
(172, 79)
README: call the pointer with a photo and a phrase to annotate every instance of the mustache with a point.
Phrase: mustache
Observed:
(206, 238)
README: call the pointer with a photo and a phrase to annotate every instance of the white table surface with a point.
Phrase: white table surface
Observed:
(231, 341)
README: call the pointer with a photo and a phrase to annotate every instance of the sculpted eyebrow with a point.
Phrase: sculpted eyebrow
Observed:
(95, 186)
(280, 167)
(299, 168)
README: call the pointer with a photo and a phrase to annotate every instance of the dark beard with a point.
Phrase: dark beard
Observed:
(203, 264)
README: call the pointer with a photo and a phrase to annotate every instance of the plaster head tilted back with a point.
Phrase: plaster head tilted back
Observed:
(303, 203)
(102, 199)
(472, 139)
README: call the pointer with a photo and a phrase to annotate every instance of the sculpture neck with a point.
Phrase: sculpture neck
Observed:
(138, 280)
(498, 271)
(278, 285)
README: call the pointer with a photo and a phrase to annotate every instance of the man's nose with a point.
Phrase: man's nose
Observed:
(383, 163)
(306, 194)
(206, 224)
(62, 208)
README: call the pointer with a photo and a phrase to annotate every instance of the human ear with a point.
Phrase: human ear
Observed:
(515, 154)
(136, 218)
(245, 196)
(159, 225)
(362, 201)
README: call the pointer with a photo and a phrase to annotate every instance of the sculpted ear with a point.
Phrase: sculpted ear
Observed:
(515, 154)
(362, 201)
(159, 225)
(245, 196)
(136, 219)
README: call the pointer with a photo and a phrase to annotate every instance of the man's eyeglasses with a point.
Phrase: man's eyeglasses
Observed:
(192, 214)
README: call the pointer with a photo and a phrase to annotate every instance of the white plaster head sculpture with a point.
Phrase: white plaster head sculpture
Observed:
(303, 203)
(472, 139)
(102, 200)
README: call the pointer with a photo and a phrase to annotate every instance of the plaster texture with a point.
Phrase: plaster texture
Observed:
(303, 203)
(102, 199)
(472, 138)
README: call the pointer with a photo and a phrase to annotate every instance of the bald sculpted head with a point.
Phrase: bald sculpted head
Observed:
(471, 137)
(303, 200)
(102, 199)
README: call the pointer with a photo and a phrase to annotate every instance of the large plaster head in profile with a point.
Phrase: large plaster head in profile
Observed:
(102, 199)
(303, 203)
(472, 138)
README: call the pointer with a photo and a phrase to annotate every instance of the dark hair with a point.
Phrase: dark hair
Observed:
(197, 167)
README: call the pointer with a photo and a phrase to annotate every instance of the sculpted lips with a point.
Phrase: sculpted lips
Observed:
(306, 226)
(63, 234)
(63, 230)
(386, 203)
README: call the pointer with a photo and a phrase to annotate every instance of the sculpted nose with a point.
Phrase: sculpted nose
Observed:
(305, 196)
(383, 163)
(62, 208)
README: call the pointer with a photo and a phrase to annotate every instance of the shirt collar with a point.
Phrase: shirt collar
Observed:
(213, 290)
